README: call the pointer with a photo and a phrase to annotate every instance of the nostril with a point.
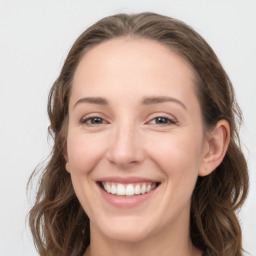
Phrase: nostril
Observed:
(124, 158)
(125, 149)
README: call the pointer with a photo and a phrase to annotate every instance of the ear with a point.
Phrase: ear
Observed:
(67, 160)
(216, 146)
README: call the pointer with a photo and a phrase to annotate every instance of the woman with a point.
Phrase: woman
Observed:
(146, 157)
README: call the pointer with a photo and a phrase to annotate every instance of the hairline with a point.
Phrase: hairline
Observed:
(196, 80)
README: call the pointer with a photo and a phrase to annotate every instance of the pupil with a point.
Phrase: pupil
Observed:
(96, 120)
(161, 120)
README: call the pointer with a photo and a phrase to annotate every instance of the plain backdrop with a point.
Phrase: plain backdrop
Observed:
(35, 37)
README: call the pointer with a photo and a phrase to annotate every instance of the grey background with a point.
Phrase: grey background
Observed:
(35, 37)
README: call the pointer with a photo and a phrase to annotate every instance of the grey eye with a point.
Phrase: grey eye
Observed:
(92, 120)
(162, 120)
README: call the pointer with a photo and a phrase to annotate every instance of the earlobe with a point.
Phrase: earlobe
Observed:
(217, 145)
(67, 161)
(67, 167)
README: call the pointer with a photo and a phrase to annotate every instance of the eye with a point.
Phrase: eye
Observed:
(94, 120)
(161, 120)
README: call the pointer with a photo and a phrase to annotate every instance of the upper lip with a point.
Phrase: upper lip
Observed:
(126, 179)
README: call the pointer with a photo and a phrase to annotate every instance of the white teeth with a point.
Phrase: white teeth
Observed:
(137, 189)
(129, 189)
(107, 188)
(113, 189)
(120, 190)
(143, 189)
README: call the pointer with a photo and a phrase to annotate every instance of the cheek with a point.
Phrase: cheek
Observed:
(83, 152)
(178, 157)
(178, 154)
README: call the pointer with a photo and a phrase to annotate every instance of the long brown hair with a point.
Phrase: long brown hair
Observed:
(59, 224)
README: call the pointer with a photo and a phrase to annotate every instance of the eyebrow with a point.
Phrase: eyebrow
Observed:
(145, 101)
(162, 99)
(92, 100)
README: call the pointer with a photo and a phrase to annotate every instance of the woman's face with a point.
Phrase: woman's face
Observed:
(135, 139)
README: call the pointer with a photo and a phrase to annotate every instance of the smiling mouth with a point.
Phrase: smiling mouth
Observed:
(129, 189)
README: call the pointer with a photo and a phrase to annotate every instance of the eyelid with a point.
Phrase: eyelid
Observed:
(169, 117)
(88, 116)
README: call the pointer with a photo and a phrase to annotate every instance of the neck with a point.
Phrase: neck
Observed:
(134, 251)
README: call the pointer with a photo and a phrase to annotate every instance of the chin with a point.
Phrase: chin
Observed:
(130, 232)
(127, 236)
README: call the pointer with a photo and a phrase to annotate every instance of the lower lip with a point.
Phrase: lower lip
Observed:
(126, 202)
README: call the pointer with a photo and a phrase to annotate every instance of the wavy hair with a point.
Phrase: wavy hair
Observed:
(59, 225)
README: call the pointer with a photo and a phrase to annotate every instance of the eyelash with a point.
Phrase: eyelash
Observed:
(84, 121)
(167, 121)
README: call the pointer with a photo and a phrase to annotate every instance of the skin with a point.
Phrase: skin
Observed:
(129, 141)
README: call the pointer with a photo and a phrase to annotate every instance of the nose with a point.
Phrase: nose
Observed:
(125, 148)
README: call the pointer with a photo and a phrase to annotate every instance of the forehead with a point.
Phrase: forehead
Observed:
(134, 65)
(129, 49)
